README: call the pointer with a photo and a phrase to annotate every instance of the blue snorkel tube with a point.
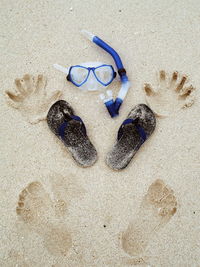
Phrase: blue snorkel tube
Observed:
(111, 105)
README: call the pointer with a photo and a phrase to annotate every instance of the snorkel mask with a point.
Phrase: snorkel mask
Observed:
(91, 78)
(94, 76)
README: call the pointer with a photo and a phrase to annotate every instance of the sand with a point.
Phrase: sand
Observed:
(146, 215)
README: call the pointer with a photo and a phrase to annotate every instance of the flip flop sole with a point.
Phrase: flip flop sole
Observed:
(131, 140)
(73, 135)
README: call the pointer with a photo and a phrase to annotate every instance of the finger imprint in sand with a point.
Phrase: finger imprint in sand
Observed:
(173, 93)
(36, 210)
(157, 208)
(31, 98)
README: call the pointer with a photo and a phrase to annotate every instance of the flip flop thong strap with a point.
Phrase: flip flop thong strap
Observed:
(139, 128)
(61, 129)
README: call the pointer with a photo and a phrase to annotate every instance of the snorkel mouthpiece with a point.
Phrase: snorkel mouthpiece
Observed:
(118, 102)
(109, 103)
(114, 105)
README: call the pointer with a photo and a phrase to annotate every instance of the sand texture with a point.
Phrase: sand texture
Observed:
(55, 213)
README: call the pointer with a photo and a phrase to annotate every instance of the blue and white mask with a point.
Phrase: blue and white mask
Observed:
(90, 76)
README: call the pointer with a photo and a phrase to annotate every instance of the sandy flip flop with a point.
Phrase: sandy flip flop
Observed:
(71, 130)
(133, 132)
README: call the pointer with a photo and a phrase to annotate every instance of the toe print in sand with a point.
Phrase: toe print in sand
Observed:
(157, 208)
(172, 93)
(31, 98)
(35, 207)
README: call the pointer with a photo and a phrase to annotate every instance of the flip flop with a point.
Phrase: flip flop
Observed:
(71, 130)
(134, 131)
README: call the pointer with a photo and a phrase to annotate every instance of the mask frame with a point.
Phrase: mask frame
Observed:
(89, 70)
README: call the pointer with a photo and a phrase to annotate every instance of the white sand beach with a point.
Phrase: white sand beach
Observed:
(55, 213)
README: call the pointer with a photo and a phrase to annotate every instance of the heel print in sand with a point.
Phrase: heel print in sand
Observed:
(36, 209)
(31, 97)
(157, 208)
(172, 94)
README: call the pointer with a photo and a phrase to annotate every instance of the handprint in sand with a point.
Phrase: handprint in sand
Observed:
(31, 97)
(172, 94)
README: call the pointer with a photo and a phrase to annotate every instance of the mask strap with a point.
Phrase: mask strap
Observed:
(60, 68)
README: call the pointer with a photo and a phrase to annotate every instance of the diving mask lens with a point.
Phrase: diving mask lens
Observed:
(78, 75)
(105, 74)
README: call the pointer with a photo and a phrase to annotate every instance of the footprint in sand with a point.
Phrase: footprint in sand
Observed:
(172, 94)
(31, 97)
(157, 208)
(37, 210)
